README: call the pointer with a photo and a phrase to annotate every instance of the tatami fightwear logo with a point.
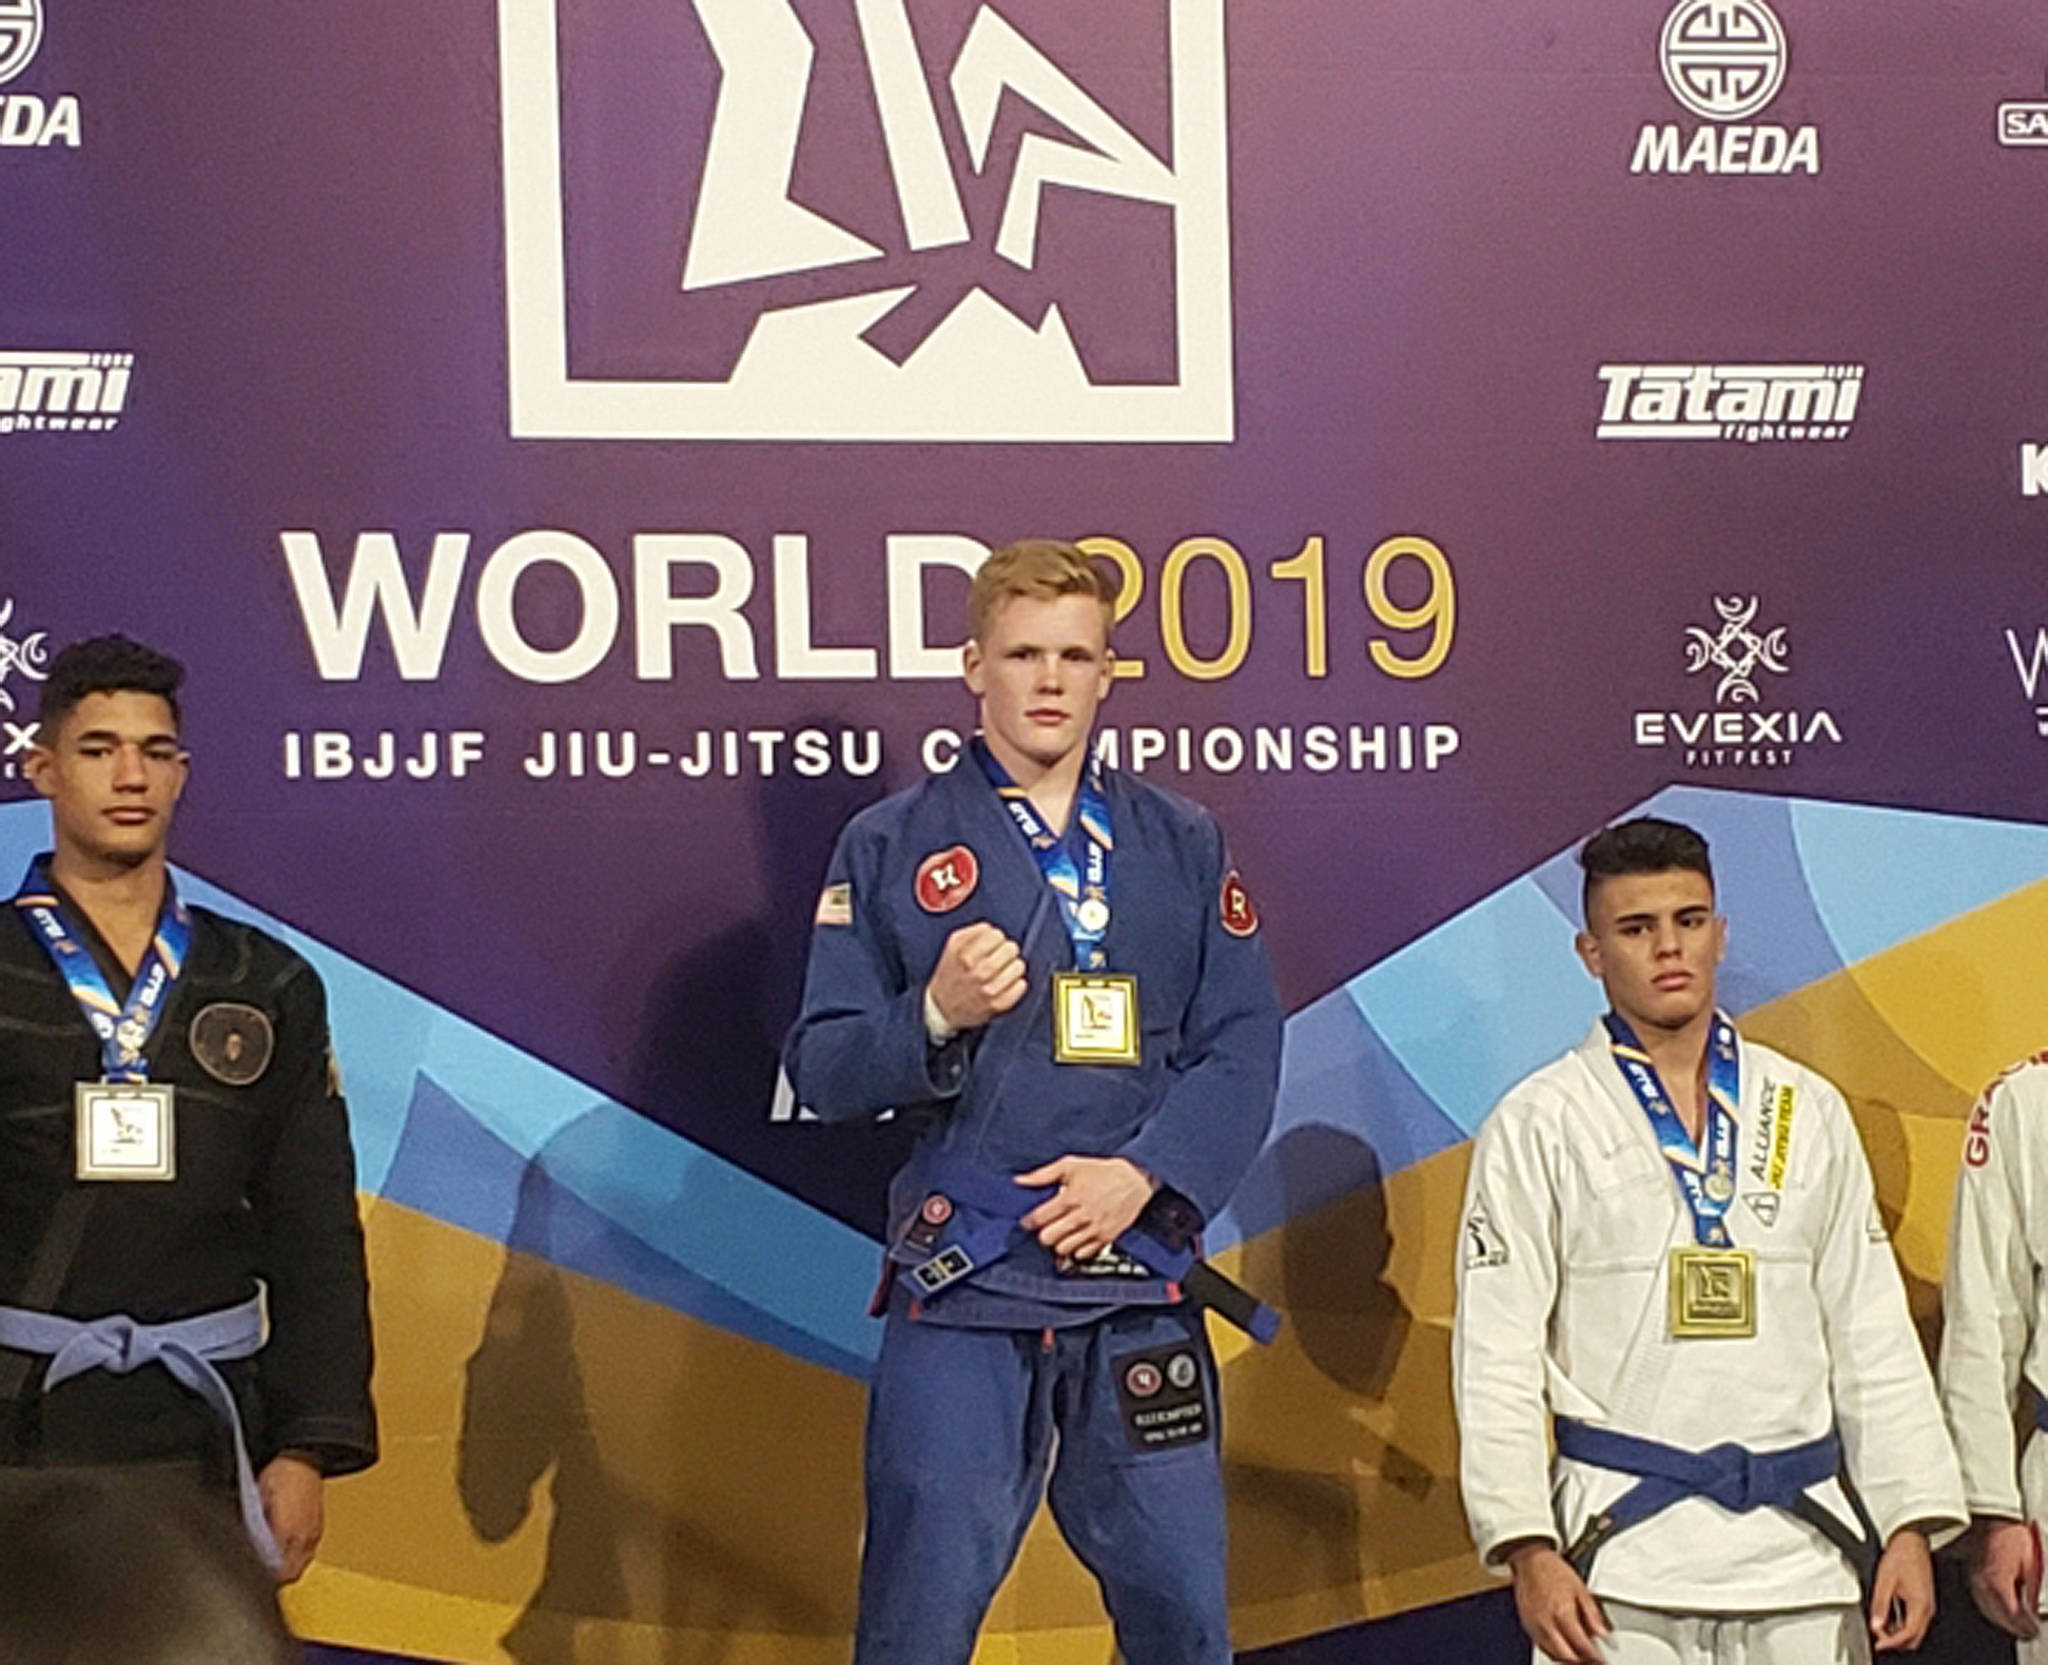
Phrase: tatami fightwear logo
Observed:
(1724, 61)
(1735, 650)
(62, 391)
(890, 227)
(1751, 403)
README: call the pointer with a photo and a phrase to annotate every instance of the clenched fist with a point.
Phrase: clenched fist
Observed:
(980, 974)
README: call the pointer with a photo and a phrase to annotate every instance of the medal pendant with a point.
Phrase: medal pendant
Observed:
(1095, 1017)
(126, 1130)
(1720, 1186)
(1713, 1293)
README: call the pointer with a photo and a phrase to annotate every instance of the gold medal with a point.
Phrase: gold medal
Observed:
(1095, 1017)
(1713, 1293)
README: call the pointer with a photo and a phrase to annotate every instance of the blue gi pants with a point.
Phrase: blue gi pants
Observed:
(962, 1428)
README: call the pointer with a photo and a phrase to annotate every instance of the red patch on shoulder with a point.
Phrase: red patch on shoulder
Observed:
(946, 878)
(937, 1210)
(1977, 1142)
(1240, 918)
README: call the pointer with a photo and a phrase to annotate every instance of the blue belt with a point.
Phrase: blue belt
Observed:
(1731, 1475)
(985, 1226)
(185, 1348)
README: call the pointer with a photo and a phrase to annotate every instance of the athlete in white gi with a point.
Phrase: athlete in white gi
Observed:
(1721, 1302)
(1995, 1329)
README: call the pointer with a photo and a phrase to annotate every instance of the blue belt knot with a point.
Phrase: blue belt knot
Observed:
(186, 1348)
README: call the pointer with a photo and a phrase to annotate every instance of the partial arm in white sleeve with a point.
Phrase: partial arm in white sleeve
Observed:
(1893, 1440)
(1987, 1303)
(1507, 1288)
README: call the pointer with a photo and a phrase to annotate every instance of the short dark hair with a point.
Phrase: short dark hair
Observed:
(105, 665)
(1643, 845)
(133, 1565)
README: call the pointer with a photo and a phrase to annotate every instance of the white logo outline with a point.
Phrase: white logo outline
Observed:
(1736, 650)
(21, 36)
(1732, 71)
(882, 403)
(28, 655)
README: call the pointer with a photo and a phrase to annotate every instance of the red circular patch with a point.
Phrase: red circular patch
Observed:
(946, 878)
(1240, 918)
(937, 1210)
(1142, 1379)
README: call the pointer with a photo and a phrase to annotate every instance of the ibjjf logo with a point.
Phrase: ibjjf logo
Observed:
(1724, 61)
(63, 392)
(1749, 403)
(26, 655)
(21, 32)
(1738, 731)
(1735, 650)
(1006, 224)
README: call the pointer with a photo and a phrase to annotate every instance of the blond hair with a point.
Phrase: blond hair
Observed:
(1042, 568)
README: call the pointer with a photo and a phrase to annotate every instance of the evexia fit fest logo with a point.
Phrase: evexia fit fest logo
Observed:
(1742, 729)
(888, 228)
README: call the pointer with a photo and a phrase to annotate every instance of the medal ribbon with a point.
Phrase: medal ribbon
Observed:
(1708, 1185)
(1083, 889)
(123, 1029)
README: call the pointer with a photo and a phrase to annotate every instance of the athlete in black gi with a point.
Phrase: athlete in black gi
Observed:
(126, 1297)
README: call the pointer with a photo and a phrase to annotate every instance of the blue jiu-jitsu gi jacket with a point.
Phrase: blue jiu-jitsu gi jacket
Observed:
(1193, 1113)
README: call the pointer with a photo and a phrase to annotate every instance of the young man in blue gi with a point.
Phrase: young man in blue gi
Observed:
(1056, 968)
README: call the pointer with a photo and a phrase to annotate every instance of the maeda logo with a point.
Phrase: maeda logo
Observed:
(858, 222)
(29, 120)
(21, 32)
(1724, 61)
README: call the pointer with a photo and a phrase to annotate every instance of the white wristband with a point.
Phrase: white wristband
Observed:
(935, 1024)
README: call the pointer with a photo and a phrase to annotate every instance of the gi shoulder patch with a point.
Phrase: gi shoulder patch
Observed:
(1240, 918)
(946, 878)
(232, 1042)
(1165, 1403)
(1484, 1245)
(835, 906)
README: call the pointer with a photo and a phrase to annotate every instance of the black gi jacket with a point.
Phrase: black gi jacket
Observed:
(265, 1189)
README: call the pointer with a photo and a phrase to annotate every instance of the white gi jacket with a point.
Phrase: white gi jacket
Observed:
(1570, 1213)
(1994, 1305)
